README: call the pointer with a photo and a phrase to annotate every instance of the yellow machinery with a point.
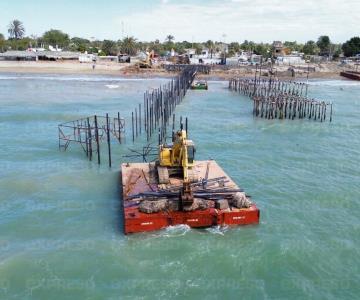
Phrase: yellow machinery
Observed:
(147, 62)
(178, 159)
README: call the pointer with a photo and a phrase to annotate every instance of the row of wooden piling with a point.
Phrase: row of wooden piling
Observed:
(276, 99)
(285, 107)
(159, 104)
(267, 87)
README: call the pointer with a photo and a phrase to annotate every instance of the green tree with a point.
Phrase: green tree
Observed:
(79, 44)
(109, 47)
(351, 47)
(16, 29)
(155, 45)
(310, 48)
(179, 48)
(169, 39)
(21, 44)
(336, 50)
(248, 46)
(235, 47)
(262, 49)
(293, 46)
(169, 43)
(129, 45)
(210, 45)
(186, 44)
(2, 42)
(56, 37)
(93, 50)
(198, 48)
(324, 44)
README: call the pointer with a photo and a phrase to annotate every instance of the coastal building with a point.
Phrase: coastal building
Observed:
(290, 59)
(18, 56)
(240, 59)
(255, 59)
(190, 52)
(87, 58)
(108, 58)
(55, 49)
(38, 55)
(207, 57)
(278, 49)
(55, 55)
(222, 47)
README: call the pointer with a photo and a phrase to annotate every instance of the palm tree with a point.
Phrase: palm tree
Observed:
(2, 42)
(210, 45)
(128, 45)
(170, 38)
(16, 29)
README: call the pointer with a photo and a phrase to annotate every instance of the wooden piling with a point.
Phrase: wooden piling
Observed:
(97, 139)
(108, 137)
(119, 125)
(90, 138)
(132, 126)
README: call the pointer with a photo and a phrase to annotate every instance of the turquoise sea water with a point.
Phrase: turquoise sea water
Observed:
(60, 224)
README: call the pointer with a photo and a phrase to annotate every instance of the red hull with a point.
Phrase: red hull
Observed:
(136, 178)
(136, 221)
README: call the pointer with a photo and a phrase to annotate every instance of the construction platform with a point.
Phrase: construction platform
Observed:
(139, 179)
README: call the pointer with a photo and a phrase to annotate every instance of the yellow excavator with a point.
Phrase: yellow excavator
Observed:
(147, 62)
(178, 159)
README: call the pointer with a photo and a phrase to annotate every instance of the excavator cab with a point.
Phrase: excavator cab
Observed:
(191, 153)
(177, 158)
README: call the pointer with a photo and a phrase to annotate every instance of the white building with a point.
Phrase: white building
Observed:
(290, 59)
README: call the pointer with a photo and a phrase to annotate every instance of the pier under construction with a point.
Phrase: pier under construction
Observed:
(276, 99)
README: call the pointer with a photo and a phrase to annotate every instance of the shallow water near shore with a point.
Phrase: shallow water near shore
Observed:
(61, 228)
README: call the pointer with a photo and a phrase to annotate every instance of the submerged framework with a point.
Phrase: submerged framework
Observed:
(89, 132)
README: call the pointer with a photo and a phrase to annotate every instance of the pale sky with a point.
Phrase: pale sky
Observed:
(227, 20)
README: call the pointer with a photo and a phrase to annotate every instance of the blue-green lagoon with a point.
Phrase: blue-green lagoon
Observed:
(60, 222)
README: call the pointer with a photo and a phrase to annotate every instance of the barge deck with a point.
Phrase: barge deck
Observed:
(140, 178)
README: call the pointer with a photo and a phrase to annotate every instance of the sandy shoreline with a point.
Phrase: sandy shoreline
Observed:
(126, 70)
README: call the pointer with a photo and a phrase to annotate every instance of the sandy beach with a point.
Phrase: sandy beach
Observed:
(328, 70)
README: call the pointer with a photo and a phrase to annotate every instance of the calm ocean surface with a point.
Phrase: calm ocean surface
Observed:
(61, 229)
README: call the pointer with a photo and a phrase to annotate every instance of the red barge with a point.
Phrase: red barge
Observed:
(176, 189)
(139, 178)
